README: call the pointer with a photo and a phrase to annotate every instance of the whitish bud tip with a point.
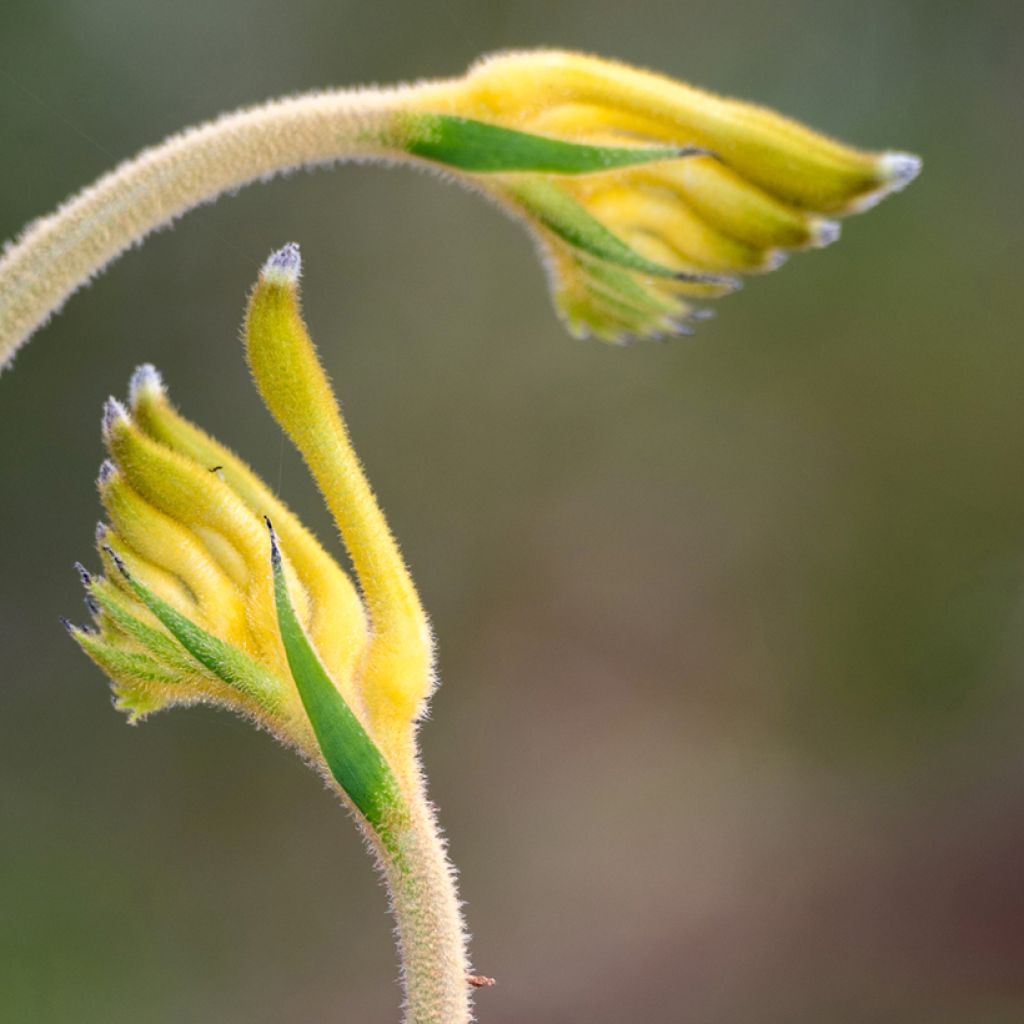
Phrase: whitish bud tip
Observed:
(83, 574)
(900, 169)
(826, 232)
(113, 412)
(101, 533)
(145, 380)
(283, 266)
(682, 327)
(107, 470)
(728, 281)
(68, 625)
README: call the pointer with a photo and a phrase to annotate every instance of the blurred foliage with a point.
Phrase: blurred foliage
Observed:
(730, 629)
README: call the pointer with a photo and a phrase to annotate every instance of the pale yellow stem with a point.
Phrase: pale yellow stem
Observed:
(58, 254)
(428, 922)
(396, 673)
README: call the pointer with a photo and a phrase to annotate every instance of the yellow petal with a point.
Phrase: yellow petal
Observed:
(164, 543)
(336, 622)
(397, 672)
(785, 158)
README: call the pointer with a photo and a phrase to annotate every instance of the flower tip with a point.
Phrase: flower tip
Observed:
(894, 172)
(145, 380)
(71, 628)
(283, 266)
(686, 151)
(101, 534)
(83, 574)
(825, 232)
(275, 551)
(116, 559)
(113, 412)
(107, 471)
(898, 170)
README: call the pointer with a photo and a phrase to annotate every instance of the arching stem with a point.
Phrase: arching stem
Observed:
(58, 254)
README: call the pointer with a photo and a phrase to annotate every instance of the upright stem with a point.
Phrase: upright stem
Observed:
(58, 254)
(395, 676)
(430, 933)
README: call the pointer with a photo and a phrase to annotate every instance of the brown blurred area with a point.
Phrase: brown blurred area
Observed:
(731, 630)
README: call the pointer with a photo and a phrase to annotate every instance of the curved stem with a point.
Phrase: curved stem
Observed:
(429, 930)
(57, 254)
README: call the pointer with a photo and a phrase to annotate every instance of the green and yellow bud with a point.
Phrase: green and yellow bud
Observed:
(215, 592)
(644, 193)
(397, 663)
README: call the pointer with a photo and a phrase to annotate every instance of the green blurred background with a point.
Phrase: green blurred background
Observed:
(731, 630)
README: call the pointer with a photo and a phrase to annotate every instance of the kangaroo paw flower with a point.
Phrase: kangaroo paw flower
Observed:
(213, 592)
(645, 195)
(197, 593)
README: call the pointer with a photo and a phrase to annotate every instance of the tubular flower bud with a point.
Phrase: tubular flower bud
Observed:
(215, 592)
(643, 193)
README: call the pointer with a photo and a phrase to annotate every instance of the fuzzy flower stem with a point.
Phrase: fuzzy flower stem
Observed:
(428, 924)
(58, 254)
(396, 671)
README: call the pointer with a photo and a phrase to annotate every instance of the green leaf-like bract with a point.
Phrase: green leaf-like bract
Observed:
(226, 662)
(568, 219)
(351, 755)
(488, 148)
(161, 646)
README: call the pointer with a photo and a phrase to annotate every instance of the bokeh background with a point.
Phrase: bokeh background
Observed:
(731, 630)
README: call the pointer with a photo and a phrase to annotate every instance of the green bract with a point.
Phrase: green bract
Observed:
(488, 148)
(353, 758)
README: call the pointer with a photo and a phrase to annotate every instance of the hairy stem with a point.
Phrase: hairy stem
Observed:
(429, 929)
(58, 254)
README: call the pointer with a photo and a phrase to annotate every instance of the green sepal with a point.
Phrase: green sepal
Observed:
(611, 282)
(141, 684)
(556, 210)
(488, 148)
(158, 643)
(353, 758)
(226, 662)
(120, 664)
(137, 702)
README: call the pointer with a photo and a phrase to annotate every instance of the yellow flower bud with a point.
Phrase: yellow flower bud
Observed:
(191, 607)
(649, 193)
(397, 666)
(644, 193)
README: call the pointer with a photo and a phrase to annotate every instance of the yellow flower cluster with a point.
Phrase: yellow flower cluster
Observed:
(186, 609)
(632, 249)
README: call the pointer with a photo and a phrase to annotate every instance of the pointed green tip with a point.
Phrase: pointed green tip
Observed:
(352, 757)
(484, 148)
(275, 550)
